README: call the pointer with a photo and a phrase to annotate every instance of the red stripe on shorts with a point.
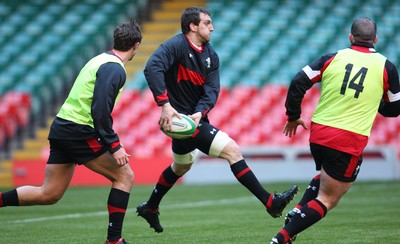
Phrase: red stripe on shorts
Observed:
(195, 133)
(94, 144)
(352, 167)
(114, 144)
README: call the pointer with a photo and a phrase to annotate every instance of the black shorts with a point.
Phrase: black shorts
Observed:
(202, 139)
(77, 151)
(339, 165)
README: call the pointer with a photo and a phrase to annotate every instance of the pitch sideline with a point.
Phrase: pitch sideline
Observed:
(225, 201)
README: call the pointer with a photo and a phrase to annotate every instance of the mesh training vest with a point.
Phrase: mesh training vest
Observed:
(352, 87)
(77, 107)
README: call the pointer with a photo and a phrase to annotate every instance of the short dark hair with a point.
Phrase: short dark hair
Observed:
(127, 35)
(364, 29)
(191, 15)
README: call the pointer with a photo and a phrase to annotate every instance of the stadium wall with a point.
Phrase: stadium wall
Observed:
(31, 172)
(269, 164)
(274, 164)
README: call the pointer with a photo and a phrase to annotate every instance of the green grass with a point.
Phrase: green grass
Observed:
(368, 213)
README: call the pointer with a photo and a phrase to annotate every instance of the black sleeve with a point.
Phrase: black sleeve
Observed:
(297, 89)
(389, 109)
(156, 67)
(390, 105)
(110, 79)
(302, 82)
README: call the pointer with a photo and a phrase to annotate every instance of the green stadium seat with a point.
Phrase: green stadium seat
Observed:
(284, 30)
(6, 83)
(138, 83)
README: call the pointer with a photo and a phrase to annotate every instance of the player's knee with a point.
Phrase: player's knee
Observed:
(123, 180)
(232, 152)
(183, 162)
(225, 147)
(127, 178)
(181, 169)
(233, 148)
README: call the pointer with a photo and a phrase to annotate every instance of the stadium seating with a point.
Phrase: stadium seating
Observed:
(165, 22)
(14, 120)
(252, 116)
(261, 45)
(44, 44)
(277, 38)
(40, 55)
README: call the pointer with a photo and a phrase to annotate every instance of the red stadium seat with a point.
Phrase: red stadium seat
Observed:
(243, 93)
(249, 115)
(223, 111)
(2, 130)
(19, 106)
(274, 92)
(9, 114)
(224, 92)
(127, 97)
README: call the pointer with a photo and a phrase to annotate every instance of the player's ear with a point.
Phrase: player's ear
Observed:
(192, 26)
(376, 39)
(136, 46)
(351, 38)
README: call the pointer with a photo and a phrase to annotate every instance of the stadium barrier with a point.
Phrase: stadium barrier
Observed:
(274, 164)
(31, 172)
(269, 164)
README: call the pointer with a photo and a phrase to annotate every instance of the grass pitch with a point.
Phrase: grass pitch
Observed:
(368, 213)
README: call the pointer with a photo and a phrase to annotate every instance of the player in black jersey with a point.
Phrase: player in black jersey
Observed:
(183, 75)
(82, 134)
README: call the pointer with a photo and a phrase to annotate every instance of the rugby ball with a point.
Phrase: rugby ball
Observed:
(181, 128)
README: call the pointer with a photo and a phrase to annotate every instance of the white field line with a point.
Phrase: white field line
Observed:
(226, 201)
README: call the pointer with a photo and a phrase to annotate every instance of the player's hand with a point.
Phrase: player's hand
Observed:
(167, 113)
(121, 157)
(196, 118)
(291, 127)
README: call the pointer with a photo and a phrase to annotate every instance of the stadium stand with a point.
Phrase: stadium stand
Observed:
(261, 44)
(261, 52)
(43, 46)
(44, 40)
(14, 121)
(164, 22)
